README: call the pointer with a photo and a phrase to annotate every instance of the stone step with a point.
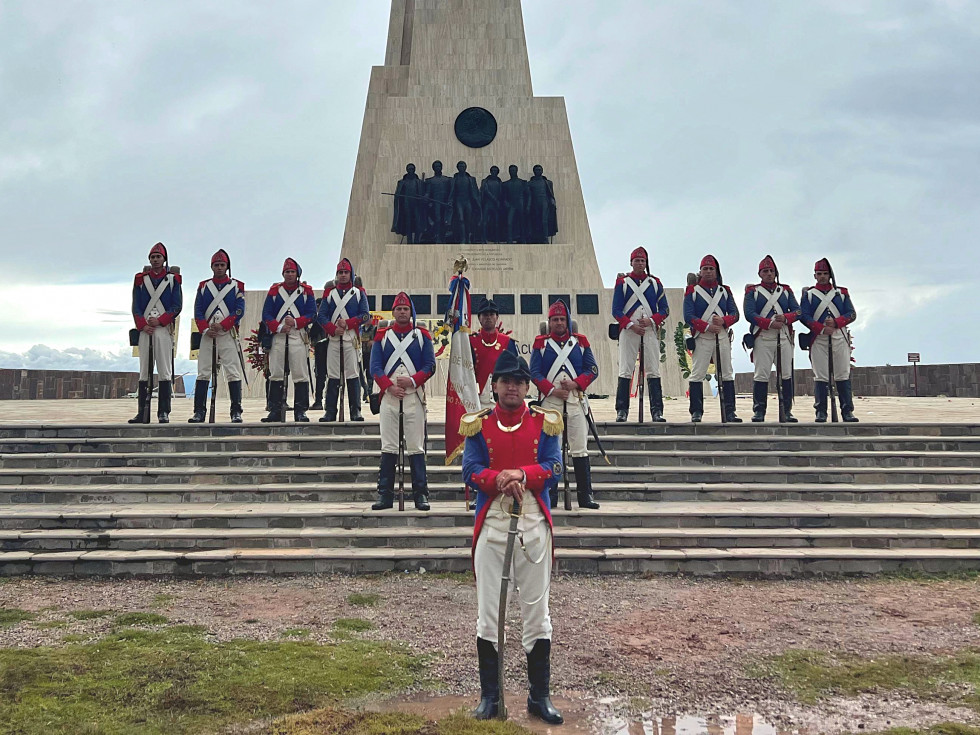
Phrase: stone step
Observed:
(644, 458)
(461, 537)
(448, 491)
(774, 562)
(614, 515)
(652, 474)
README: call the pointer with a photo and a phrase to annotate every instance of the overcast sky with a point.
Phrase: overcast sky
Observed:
(843, 128)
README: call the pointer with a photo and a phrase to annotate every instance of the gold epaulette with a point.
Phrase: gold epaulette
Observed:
(471, 424)
(553, 425)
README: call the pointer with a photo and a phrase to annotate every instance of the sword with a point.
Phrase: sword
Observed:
(515, 515)
(564, 452)
(587, 410)
(241, 355)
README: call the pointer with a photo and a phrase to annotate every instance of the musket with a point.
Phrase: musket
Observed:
(214, 375)
(721, 396)
(831, 384)
(515, 515)
(401, 454)
(640, 391)
(285, 381)
(779, 377)
(149, 386)
(590, 419)
(343, 379)
(564, 452)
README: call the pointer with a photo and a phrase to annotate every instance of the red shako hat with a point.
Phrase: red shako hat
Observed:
(558, 309)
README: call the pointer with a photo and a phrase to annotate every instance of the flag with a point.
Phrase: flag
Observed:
(462, 394)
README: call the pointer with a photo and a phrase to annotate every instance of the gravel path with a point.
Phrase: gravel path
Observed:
(681, 645)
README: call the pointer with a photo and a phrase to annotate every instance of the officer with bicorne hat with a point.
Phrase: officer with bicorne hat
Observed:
(488, 345)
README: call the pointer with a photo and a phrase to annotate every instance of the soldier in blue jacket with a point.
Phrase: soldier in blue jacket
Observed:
(402, 360)
(290, 307)
(771, 309)
(640, 306)
(710, 310)
(157, 301)
(827, 310)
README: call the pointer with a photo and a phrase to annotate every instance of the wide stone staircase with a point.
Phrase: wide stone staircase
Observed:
(699, 499)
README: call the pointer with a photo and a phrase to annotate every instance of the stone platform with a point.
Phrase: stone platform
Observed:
(707, 499)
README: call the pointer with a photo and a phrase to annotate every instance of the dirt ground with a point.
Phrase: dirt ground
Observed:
(665, 645)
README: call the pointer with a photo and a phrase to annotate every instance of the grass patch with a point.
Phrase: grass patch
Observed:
(51, 624)
(89, 614)
(976, 618)
(74, 638)
(296, 633)
(353, 625)
(812, 675)
(175, 681)
(340, 722)
(162, 600)
(359, 599)
(14, 615)
(140, 618)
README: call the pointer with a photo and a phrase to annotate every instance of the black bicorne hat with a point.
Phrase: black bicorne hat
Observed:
(510, 365)
(486, 306)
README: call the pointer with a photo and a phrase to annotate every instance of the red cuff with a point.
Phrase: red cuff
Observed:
(140, 322)
(544, 386)
(623, 321)
(302, 322)
(763, 322)
(272, 325)
(166, 318)
(537, 476)
(384, 382)
(354, 323)
(228, 322)
(841, 322)
(202, 326)
(330, 328)
(729, 320)
(815, 326)
(658, 319)
(420, 377)
(583, 381)
(699, 325)
(790, 318)
(486, 480)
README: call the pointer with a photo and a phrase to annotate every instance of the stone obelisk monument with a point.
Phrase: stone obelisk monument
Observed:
(456, 86)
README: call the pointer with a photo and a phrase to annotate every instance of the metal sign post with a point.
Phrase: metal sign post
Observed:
(914, 358)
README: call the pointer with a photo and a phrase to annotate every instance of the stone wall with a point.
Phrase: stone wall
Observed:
(958, 379)
(25, 385)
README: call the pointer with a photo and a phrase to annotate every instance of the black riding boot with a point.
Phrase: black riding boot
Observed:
(420, 483)
(846, 401)
(820, 393)
(163, 402)
(539, 677)
(489, 684)
(553, 496)
(142, 398)
(321, 380)
(200, 401)
(583, 482)
(696, 391)
(386, 482)
(235, 394)
(622, 400)
(301, 402)
(656, 400)
(275, 401)
(760, 396)
(354, 399)
(728, 386)
(330, 402)
(788, 402)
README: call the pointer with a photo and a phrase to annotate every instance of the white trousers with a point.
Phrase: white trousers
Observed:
(229, 359)
(578, 426)
(163, 346)
(299, 357)
(532, 581)
(413, 420)
(629, 348)
(819, 358)
(764, 354)
(704, 351)
(351, 355)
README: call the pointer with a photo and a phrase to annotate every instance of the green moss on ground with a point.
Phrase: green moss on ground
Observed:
(174, 681)
(14, 615)
(359, 599)
(89, 614)
(353, 625)
(140, 618)
(340, 722)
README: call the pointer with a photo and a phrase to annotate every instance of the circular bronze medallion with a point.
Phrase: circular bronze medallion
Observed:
(475, 127)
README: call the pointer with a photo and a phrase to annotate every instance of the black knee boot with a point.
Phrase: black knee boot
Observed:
(489, 684)
(330, 402)
(760, 395)
(276, 414)
(656, 400)
(163, 402)
(200, 401)
(728, 387)
(354, 399)
(788, 402)
(142, 399)
(235, 394)
(846, 401)
(301, 402)
(420, 482)
(386, 482)
(820, 401)
(622, 400)
(583, 483)
(696, 390)
(539, 678)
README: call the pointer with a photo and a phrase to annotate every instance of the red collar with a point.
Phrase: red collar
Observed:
(288, 288)
(398, 329)
(221, 281)
(488, 335)
(637, 276)
(825, 287)
(510, 418)
(707, 284)
(158, 274)
(560, 337)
